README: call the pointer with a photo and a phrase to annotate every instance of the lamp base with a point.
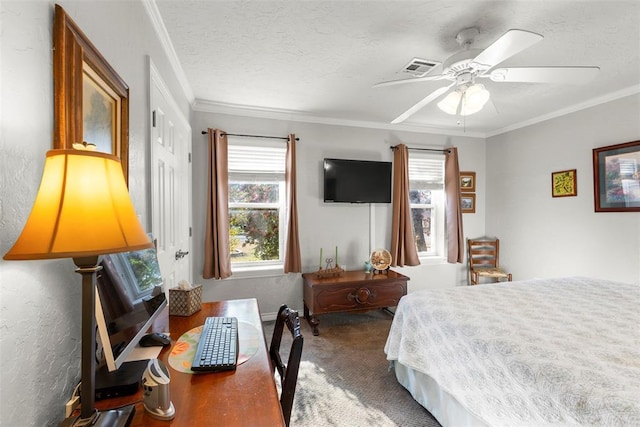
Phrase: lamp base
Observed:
(120, 417)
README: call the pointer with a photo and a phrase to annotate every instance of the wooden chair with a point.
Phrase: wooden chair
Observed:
(483, 256)
(289, 372)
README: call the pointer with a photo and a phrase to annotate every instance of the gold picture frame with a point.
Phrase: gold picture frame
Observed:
(468, 182)
(91, 103)
(564, 183)
(468, 202)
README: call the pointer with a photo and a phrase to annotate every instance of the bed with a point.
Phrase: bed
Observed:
(560, 351)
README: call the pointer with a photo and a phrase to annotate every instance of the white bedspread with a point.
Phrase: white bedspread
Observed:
(537, 352)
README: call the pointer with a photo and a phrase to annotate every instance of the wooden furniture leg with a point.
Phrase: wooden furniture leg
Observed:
(313, 320)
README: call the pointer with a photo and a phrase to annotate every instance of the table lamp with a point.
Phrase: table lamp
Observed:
(83, 210)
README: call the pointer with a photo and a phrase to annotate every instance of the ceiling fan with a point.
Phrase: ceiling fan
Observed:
(465, 67)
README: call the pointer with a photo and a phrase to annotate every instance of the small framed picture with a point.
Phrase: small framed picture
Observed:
(564, 183)
(468, 202)
(468, 182)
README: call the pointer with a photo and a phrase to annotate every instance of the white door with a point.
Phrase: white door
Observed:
(170, 183)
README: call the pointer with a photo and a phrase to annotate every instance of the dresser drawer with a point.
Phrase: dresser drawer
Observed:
(345, 298)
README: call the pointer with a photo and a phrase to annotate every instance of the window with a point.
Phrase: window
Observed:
(256, 204)
(426, 198)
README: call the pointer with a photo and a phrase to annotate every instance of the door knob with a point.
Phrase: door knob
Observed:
(181, 254)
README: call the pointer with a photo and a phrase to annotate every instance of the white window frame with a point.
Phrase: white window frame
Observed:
(436, 184)
(262, 176)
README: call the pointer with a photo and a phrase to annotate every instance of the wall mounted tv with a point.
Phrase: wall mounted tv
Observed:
(357, 181)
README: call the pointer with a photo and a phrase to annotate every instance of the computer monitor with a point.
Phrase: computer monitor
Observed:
(130, 296)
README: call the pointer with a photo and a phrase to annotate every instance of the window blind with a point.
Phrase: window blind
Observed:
(426, 171)
(256, 159)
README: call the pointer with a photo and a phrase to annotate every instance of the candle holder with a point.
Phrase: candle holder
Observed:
(330, 270)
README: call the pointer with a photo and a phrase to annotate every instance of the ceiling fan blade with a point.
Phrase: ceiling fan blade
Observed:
(510, 43)
(426, 100)
(565, 75)
(413, 80)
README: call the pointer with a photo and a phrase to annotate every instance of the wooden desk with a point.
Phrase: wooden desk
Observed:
(244, 397)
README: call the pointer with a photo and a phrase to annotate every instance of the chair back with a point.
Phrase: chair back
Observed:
(289, 372)
(483, 253)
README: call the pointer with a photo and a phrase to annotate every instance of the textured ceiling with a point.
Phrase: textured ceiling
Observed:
(320, 59)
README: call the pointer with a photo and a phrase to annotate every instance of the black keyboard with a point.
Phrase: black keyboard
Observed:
(218, 346)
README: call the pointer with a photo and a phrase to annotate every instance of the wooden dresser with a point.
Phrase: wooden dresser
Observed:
(353, 291)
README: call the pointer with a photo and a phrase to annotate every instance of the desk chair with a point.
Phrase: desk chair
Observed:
(483, 256)
(289, 372)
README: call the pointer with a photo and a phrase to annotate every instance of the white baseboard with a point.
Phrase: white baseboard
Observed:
(267, 317)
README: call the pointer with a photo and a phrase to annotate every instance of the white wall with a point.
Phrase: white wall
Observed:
(40, 300)
(327, 225)
(542, 236)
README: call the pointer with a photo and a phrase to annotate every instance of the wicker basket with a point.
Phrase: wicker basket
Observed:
(185, 303)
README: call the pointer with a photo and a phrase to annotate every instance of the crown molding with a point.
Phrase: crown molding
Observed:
(622, 93)
(163, 36)
(298, 116)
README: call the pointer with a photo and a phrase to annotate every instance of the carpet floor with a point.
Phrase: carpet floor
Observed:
(344, 378)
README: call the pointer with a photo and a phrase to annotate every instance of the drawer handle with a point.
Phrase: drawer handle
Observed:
(362, 295)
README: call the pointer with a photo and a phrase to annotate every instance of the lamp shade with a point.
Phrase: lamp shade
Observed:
(470, 100)
(474, 99)
(450, 103)
(82, 209)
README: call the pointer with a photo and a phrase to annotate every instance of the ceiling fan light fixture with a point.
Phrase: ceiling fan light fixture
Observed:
(450, 103)
(475, 97)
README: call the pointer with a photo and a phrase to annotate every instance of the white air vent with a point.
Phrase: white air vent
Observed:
(419, 67)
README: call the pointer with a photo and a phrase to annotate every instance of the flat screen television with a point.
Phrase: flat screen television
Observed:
(129, 298)
(357, 181)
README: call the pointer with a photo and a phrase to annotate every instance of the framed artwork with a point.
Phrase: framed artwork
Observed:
(468, 202)
(468, 182)
(616, 177)
(564, 183)
(91, 102)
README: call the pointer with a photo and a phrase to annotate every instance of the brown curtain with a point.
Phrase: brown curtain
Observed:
(453, 210)
(292, 260)
(403, 247)
(217, 258)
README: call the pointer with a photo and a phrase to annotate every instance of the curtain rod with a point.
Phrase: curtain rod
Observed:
(446, 150)
(204, 132)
